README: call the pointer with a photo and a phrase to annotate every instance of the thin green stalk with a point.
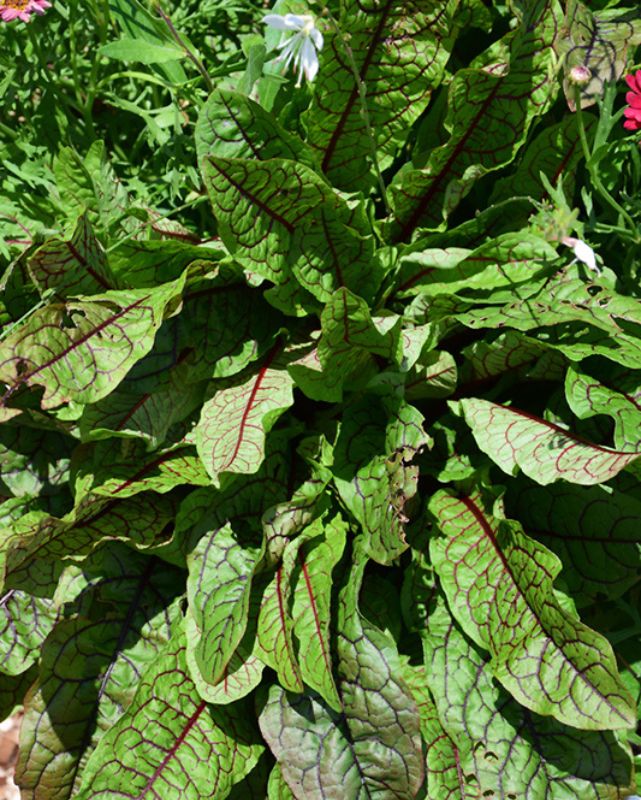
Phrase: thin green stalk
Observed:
(594, 176)
(188, 52)
(84, 102)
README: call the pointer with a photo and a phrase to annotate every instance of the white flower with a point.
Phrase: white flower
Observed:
(583, 252)
(301, 46)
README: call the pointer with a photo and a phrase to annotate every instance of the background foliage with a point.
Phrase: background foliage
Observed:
(319, 449)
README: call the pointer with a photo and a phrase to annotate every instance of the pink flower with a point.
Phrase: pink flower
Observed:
(22, 9)
(633, 112)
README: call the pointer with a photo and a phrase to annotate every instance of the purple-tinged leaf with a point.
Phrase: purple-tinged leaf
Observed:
(279, 218)
(491, 105)
(91, 664)
(171, 742)
(543, 450)
(220, 579)
(25, 622)
(380, 712)
(598, 42)
(230, 435)
(588, 528)
(372, 749)
(578, 318)
(376, 492)
(445, 780)
(400, 51)
(312, 556)
(504, 750)
(587, 397)
(72, 266)
(82, 350)
(499, 586)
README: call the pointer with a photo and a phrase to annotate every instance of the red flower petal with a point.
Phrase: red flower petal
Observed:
(632, 125)
(634, 81)
(633, 99)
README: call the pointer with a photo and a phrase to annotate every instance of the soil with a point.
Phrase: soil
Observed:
(9, 730)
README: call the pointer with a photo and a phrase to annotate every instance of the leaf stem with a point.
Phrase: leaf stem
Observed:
(594, 176)
(188, 52)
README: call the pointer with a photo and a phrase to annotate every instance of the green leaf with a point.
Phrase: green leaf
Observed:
(599, 42)
(380, 488)
(499, 586)
(144, 263)
(444, 778)
(555, 152)
(137, 22)
(545, 451)
(26, 623)
(279, 218)
(293, 626)
(169, 740)
(33, 553)
(277, 788)
(312, 556)
(91, 663)
(493, 104)
(578, 318)
(502, 748)
(230, 435)
(586, 527)
(284, 520)
(148, 415)
(399, 51)
(371, 750)
(82, 350)
(231, 125)
(220, 580)
(512, 262)
(434, 376)
(587, 397)
(111, 469)
(90, 185)
(144, 52)
(350, 337)
(73, 266)
(276, 631)
(510, 352)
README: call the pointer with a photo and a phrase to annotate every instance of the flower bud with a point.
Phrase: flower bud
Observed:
(580, 75)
